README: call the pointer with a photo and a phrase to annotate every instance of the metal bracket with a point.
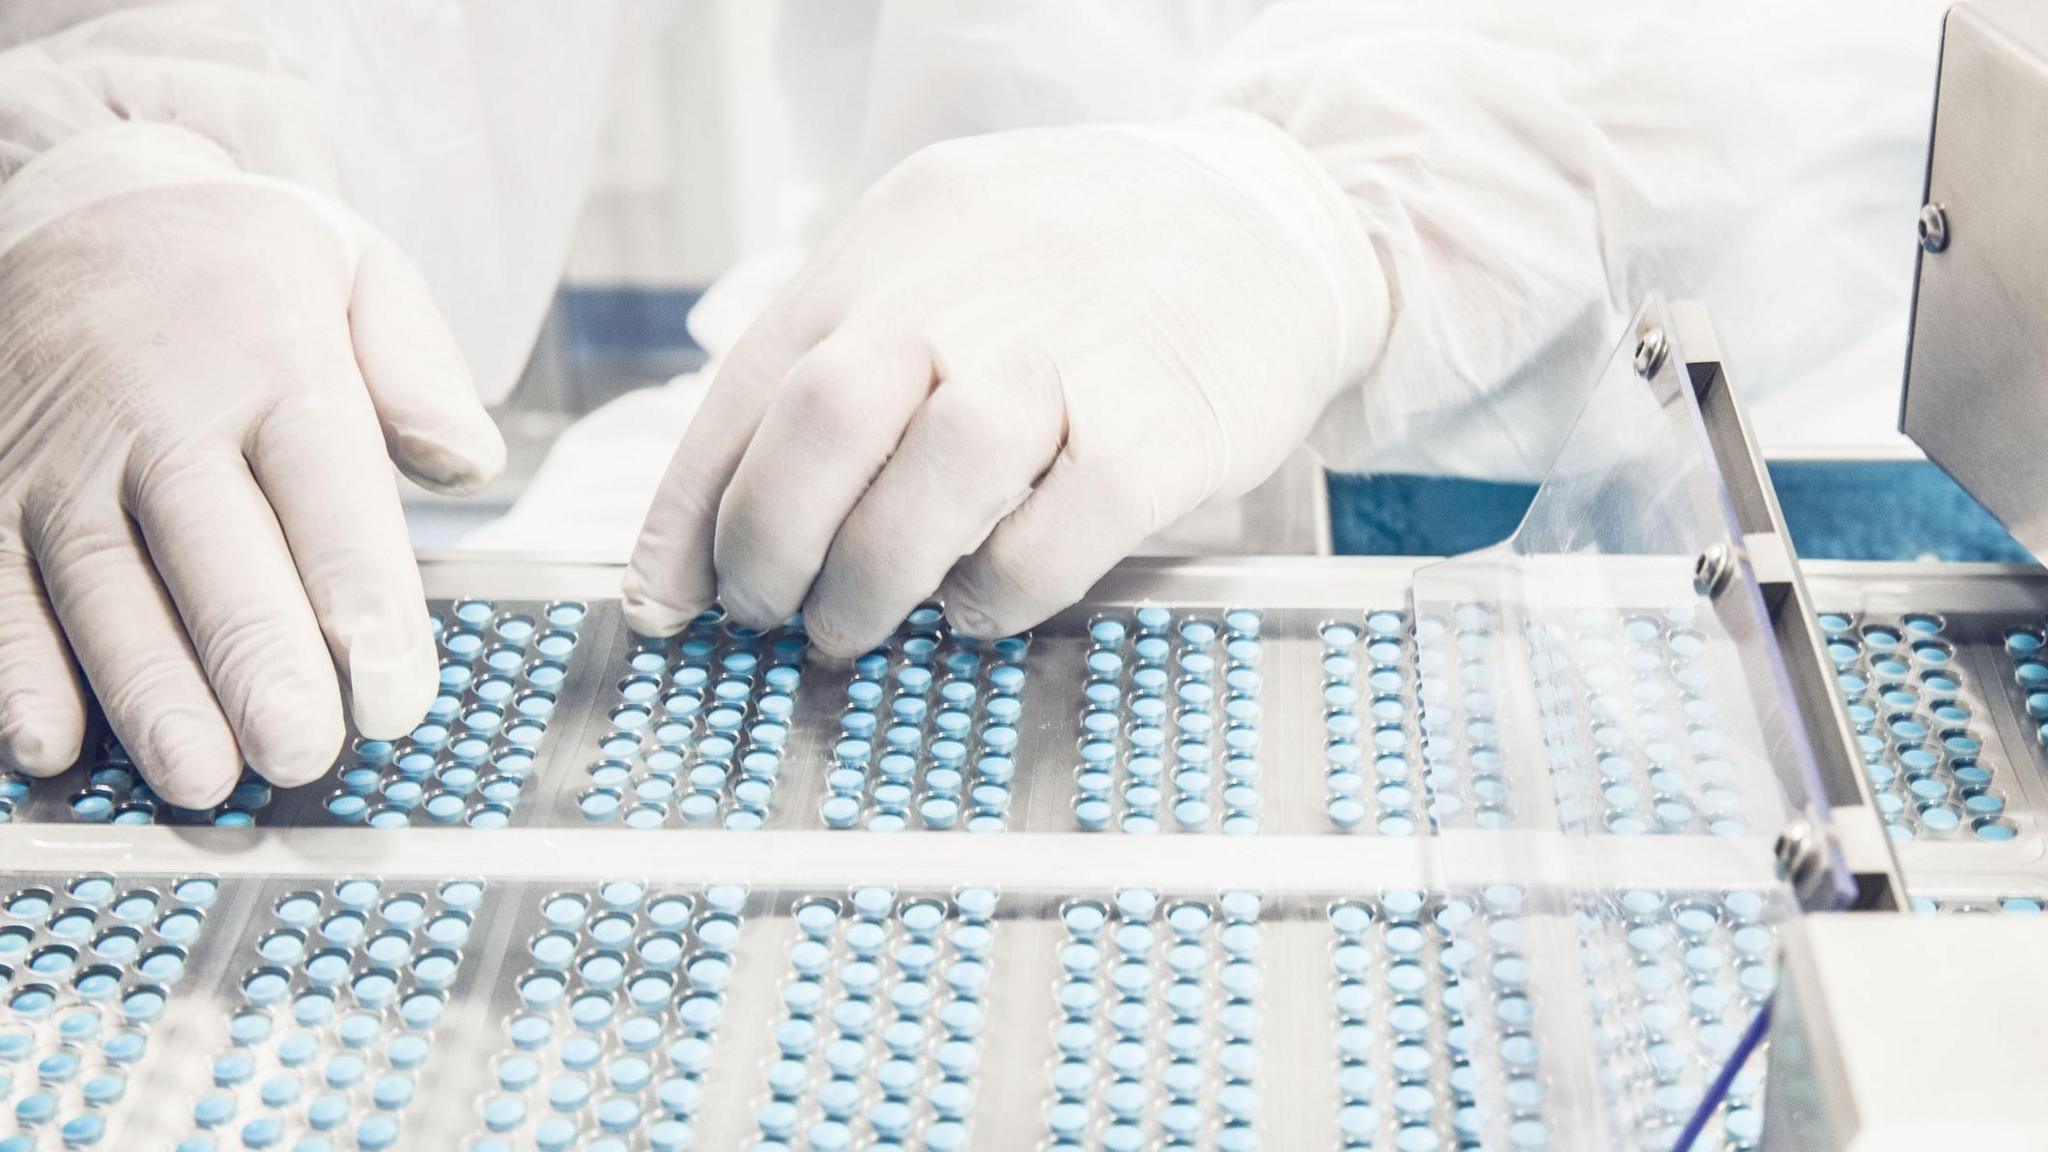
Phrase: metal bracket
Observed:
(1767, 548)
(1659, 498)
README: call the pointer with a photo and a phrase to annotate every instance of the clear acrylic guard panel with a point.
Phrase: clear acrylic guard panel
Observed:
(1639, 713)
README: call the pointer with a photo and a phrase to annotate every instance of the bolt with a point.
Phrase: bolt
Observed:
(1711, 572)
(1650, 349)
(1934, 228)
(1796, 853)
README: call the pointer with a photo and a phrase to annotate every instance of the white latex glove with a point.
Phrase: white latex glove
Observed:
(1018, 356)
(201, 374)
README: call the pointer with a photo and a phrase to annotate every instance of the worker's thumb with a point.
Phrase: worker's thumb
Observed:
(434, 428)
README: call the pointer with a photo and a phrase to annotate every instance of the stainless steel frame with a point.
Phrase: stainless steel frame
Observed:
(1850, 824)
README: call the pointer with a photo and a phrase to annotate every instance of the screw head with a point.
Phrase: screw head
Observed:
(1795, 852)
(1712, 570)
(1933, 228)
(1651, 348)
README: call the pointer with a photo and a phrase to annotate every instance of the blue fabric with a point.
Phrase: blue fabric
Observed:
(1867, 510)
(1400, 515)
(1887, 510)
(629, 324)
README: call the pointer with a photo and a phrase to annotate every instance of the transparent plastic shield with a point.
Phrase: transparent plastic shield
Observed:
(1608, 670)
(1606, 716)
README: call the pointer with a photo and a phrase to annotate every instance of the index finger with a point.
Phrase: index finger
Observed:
(320, 460)
(670, 578)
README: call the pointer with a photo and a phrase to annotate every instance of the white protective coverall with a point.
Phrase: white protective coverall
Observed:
(1763, 158)
(1438, 215)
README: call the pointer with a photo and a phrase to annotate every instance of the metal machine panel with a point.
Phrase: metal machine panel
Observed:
(1978, 361)
(1920, 1071)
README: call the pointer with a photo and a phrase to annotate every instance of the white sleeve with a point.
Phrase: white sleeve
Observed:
(465, 130)
(462, 129)
(1527, 173)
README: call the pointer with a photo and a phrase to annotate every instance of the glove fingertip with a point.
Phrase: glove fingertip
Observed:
(192, 762)
(970, 619)
(453, 463)
(390, 692)
(969, 611)
(832, 635)
(39, 749)
(648, 614)
(653, 618)
(418, 379)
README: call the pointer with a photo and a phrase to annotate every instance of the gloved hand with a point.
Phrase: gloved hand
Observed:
(1017, 357)
(201, 374)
